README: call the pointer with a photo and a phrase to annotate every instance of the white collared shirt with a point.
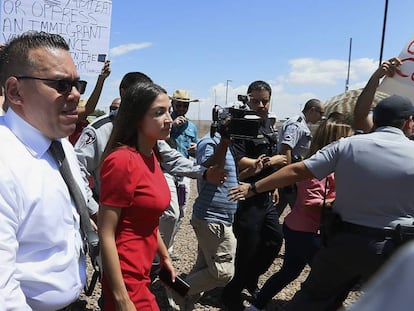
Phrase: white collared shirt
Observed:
(41, 265)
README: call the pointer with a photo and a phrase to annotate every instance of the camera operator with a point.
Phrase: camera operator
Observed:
(256, 223)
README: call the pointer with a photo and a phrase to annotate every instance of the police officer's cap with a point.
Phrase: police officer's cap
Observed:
(392, 108)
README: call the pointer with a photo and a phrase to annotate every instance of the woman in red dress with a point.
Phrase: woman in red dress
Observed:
(133, 196)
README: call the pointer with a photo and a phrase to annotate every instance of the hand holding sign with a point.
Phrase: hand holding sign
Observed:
(402, 82)
(106, 70)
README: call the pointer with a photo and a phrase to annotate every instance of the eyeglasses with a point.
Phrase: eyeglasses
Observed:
(63, 86)
(113, 108)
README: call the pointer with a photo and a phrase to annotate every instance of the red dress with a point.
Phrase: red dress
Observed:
(135, 183)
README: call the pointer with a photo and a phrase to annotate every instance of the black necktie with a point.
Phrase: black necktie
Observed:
(90, 238)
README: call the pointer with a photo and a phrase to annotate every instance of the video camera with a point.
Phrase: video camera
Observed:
(236, 122)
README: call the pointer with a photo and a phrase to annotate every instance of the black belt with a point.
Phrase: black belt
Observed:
(370, 231)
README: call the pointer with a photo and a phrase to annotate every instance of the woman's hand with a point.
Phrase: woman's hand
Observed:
(166, 264)
(125, 305)
(240, 192)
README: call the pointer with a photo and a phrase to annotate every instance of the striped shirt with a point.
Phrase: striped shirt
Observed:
(212, 204)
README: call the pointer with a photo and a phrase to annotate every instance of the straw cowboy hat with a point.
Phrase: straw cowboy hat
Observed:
(182, 96)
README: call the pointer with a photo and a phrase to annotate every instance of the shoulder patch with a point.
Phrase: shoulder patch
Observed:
(88, 137)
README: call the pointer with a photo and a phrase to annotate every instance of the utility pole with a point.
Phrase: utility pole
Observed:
(349, 65)
(227, 89)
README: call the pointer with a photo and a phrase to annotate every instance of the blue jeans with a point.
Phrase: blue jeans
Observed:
(300, 248)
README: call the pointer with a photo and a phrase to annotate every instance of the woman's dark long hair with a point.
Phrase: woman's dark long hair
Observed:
(134, 105)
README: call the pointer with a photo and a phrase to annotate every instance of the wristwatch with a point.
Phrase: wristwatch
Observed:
(252, 188)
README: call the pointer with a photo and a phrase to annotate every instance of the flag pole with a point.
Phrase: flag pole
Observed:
(383, 31)
(349, 64)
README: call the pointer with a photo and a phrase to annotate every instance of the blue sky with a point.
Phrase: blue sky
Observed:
(299, 47)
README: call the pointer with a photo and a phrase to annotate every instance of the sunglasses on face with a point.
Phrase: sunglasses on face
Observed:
(62, 86)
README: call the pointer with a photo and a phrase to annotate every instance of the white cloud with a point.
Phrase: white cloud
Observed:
(312, 71)
(289, 104)
(126, 48)
(362, 68)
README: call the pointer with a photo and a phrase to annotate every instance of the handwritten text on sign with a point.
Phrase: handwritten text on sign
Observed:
(407, 57)
(402, 83)
(85, 24)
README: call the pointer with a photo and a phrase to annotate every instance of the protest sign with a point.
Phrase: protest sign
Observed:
(85, 24)
(402, 83)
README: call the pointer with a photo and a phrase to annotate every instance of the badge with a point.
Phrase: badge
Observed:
(88, 137)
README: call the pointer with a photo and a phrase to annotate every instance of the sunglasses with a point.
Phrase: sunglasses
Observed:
(63, 86)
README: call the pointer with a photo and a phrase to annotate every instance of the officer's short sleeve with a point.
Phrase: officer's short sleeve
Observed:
(322, 163)
(86, 151)
(290, 135)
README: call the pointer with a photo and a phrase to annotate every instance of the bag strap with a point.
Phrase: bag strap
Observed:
(324, 209)
(324, 194)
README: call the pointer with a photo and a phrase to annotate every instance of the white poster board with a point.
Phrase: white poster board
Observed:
(402, 83)
(84, 24)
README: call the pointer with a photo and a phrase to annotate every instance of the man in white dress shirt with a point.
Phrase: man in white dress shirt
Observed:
(42, 265)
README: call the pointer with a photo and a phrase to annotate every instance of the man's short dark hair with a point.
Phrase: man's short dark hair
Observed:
(132, 78)
(312, 103)
(14, 56)
(259, 86)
